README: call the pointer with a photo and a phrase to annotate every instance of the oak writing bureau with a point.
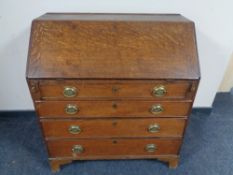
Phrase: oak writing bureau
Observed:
(112, 86)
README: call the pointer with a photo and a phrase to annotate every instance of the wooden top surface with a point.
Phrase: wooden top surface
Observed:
(113, 46)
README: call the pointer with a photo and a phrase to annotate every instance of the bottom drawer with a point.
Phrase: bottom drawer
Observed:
(107, 148)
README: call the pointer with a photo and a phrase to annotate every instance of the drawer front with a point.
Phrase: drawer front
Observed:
(82, 148)
(81, 128)
(71, 89)
(112, 109)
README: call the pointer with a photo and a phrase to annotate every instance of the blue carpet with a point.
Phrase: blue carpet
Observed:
(207, 148)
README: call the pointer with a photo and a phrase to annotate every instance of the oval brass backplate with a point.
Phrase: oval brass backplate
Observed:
(150, 148)
(159, 91)
(74, 129)
(70, 91)
(71, 109)
(156, 109)
(77, 149)
(153, 128)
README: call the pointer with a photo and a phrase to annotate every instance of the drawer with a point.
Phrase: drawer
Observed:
(112, 108)
(84, 148)
(80, 89)
(81, 128)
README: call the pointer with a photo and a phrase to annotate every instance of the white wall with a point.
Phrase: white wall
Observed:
(227, 82)
(214, 26)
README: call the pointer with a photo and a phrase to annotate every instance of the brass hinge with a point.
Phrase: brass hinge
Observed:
(34, 86)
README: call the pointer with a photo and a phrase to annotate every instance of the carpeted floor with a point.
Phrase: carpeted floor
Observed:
(207, 148)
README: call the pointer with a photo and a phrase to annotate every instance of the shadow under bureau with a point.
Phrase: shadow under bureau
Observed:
(112, 86)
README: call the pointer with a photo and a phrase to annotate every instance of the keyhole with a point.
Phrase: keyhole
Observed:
(114, 105)
(114, 141)
(114, 123)
(115, 89)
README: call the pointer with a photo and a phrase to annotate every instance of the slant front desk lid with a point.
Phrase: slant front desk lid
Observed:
(113, 46)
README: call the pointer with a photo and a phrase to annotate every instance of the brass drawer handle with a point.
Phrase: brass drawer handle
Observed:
(153, 128)
(71, 109)
(159, 91)
(77, 149)
(150, 148)
(70, 91)
(74, 129)
(156, 109)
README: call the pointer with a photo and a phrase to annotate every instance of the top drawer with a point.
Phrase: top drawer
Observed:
(93, 89)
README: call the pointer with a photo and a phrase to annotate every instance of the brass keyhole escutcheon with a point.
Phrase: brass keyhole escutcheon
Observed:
(74, 129)
(114, 123)
(70, 91)
(156, 109)
(153, 128)
(150, 148)
(114, 141)
(71, 109)
(159, 91)
(114, 105)
(115, 89)
(77, 149)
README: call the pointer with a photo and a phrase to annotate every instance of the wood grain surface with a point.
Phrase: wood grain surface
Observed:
(91, 89)
(97, 128)
(116, 108)
(111, 147)
(113, 49)
(113, 61)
